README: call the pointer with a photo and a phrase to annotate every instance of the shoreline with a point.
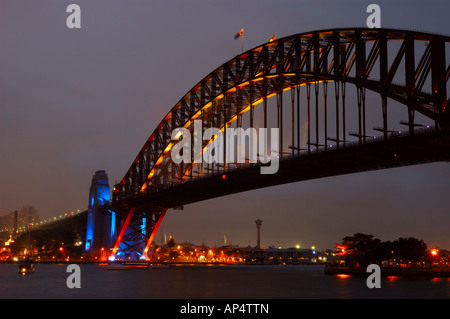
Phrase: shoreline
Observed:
(155, 263)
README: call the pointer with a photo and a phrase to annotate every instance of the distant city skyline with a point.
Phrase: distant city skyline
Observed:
(25, 216)
(74, 101)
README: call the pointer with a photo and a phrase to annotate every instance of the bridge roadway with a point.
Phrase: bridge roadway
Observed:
(426, 146)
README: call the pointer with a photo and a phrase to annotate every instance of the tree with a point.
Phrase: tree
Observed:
(409, 249)
(362, 250)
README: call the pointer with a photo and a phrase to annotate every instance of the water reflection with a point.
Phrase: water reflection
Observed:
(392, 278)
(212, 282)
(343, 276)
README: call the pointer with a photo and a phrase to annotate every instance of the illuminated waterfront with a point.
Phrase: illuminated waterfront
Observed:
(211, 282)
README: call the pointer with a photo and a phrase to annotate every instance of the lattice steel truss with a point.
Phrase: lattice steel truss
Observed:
(341, 56)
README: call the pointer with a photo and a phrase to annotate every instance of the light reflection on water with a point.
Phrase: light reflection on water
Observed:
(211, 282)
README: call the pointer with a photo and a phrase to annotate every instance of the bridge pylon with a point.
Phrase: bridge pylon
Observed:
(137, 231)
(100, 230)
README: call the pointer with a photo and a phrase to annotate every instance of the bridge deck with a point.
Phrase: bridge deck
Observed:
(430, 146)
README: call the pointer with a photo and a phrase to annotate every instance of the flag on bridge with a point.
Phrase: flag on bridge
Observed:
(239, 34)
(273, 38)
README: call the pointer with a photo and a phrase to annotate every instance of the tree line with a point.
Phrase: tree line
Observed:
(362, 250)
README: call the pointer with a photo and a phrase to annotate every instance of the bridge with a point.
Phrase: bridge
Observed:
(388, 107)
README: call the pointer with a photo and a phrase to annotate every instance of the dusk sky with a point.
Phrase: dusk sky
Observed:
(74, 101)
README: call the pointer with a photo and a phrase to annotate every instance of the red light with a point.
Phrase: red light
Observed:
(224, 176)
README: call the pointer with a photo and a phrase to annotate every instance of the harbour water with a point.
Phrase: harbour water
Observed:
(49, 281)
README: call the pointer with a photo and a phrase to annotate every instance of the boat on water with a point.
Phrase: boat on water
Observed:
(27, 267)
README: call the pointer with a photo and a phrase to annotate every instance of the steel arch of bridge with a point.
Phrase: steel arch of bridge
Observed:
(361, 57)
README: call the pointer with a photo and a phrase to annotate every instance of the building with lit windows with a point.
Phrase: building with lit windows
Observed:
(281, 256)
(27, 216)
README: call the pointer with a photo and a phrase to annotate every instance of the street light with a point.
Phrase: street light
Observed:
(434, 253)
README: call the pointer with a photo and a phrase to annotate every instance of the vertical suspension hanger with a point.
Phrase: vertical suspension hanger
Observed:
(337, 97)
(308, 97)
(343, 87)
(325, 115)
